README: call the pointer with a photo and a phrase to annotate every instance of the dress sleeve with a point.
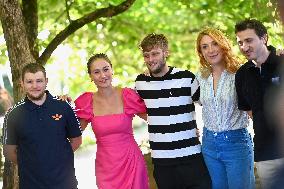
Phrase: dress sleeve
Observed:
(84, 106)
(133, 103)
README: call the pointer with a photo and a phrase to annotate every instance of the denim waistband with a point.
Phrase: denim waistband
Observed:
(242, 131)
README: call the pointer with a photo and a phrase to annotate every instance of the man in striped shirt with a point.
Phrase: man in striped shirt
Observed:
(169, 94)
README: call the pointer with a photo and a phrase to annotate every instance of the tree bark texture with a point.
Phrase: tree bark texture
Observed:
(30, 14)
(16, 40)
(10, 177)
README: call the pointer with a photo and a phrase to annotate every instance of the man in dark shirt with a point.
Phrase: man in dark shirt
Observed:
(40, 134)
(255, 81)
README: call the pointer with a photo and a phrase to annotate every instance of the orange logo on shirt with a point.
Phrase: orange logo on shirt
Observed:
(56, 117)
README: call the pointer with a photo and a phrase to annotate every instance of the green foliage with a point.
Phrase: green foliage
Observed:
(119, 36)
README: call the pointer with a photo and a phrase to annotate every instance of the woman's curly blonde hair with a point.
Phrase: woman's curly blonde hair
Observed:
(232, 63)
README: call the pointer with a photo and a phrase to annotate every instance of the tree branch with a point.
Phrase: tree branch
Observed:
(63, 12)
(68, 5)
(77, 24)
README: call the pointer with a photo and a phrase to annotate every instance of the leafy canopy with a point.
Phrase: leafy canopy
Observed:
(119, 36)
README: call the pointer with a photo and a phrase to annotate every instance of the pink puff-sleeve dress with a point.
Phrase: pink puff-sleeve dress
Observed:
(119, 162)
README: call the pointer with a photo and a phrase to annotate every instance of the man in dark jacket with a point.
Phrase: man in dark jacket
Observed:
(255, 81)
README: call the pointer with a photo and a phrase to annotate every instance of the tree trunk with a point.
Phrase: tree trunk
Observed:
(10, 178)
(19, 55)
(30, 14)
(16, 40)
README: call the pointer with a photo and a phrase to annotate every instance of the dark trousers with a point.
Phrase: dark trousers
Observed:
(189, 175)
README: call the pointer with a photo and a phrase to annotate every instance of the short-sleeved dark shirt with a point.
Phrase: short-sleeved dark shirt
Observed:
(45, 156)
(254, 86)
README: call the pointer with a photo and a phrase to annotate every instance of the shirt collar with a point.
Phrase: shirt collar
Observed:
(272, 55)
(270, 59)
(166, 75)
(32, 106)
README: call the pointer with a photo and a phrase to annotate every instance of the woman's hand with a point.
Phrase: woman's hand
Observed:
(147, 73)
(279, 52)
(65, 98)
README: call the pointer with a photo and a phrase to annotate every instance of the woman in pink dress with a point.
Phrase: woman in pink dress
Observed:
(110, 110)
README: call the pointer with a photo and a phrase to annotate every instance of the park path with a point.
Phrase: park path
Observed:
(85, 167)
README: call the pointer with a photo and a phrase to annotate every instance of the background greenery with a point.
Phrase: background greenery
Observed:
(119, 36)
(179, 20)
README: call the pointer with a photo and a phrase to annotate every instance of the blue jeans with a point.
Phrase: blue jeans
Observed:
(229, 158)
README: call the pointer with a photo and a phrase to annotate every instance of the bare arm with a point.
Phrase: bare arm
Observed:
(250, 113)
(143, 116)
(75, 142)
(83, 124)
(10, 152)
(197, 132)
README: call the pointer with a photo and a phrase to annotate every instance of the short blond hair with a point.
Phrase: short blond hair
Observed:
(154, 40)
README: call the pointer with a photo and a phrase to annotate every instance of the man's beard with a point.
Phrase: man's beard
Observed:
(35, 98)
(162, 65)
(159, 69)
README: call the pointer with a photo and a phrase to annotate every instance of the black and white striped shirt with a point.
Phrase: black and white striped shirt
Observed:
(171, 115)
